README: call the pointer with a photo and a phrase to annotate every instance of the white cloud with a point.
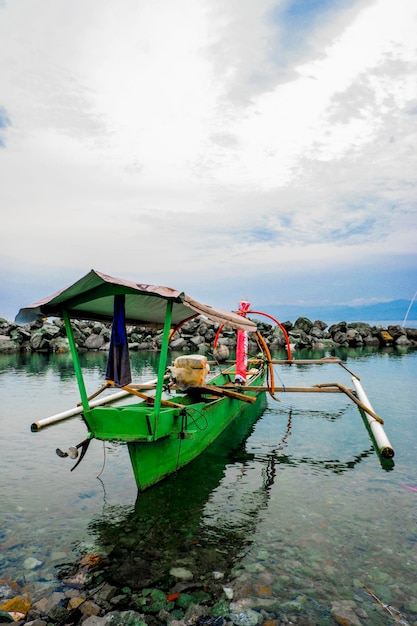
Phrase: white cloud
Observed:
(203, 134)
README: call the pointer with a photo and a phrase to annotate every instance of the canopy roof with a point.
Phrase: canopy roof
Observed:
(92, 298)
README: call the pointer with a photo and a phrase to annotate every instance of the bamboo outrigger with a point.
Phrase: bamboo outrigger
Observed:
(164, 432)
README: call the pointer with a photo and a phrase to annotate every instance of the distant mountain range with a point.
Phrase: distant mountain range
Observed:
(393, 311)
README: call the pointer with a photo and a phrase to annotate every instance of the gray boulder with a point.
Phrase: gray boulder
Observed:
(94, 341)
(304, 324)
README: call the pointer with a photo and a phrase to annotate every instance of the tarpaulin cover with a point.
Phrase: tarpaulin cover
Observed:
(92, 298)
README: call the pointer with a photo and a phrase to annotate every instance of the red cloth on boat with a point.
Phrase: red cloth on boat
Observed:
(242, 347)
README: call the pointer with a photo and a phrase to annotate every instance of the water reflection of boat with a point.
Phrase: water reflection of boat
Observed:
(272, 456)
(203, 518)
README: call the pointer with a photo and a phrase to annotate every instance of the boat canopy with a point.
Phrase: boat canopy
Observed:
(92, 298)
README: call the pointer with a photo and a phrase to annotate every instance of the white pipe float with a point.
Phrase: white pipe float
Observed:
(114, 397)
(59, 417)
(382, 441)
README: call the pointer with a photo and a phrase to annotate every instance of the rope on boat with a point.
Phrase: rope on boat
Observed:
(104, 460)
(270, 378)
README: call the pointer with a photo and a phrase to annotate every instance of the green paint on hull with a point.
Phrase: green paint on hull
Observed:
(152, 463)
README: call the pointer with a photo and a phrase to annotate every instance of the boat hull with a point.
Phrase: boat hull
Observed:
(153, 462)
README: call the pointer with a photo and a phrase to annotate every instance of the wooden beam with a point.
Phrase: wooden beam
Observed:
(215, 390)
(151, 399)
(323, 361)
(287, 389)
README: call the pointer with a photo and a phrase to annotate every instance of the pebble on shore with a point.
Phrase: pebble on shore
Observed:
(185, 599)
(186, 603)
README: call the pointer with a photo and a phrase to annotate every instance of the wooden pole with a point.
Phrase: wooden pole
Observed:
(365, 407)
(323, 361)
(151, 399)
(315, 389)
(217, 390)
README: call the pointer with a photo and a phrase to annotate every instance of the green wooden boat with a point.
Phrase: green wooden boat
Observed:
(167, 430)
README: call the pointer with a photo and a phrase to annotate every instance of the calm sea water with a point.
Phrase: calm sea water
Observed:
(300, 515)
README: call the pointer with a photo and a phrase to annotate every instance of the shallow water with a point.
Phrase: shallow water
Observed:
(299, 516)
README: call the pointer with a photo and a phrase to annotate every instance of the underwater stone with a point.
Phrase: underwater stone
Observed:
(411, 605)
(105, 593)
(94, 620)
(89, 608)
(343, 612)
(31, 563)
(201, 597)
(253, 568)
(184, 600)
(123, 618)
(210, 620)
(248, 617)
(194, 613)
(221, 609)
(181, 572)
(5, 590)
(58, 614)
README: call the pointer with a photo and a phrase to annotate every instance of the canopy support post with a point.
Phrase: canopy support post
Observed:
(76, 361)
(163, 358)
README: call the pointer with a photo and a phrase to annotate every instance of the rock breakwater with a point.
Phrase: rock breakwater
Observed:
(198, 335)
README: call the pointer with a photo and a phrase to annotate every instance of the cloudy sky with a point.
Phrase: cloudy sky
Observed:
(229, 148)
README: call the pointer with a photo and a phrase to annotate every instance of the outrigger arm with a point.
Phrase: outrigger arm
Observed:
(374, 423)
